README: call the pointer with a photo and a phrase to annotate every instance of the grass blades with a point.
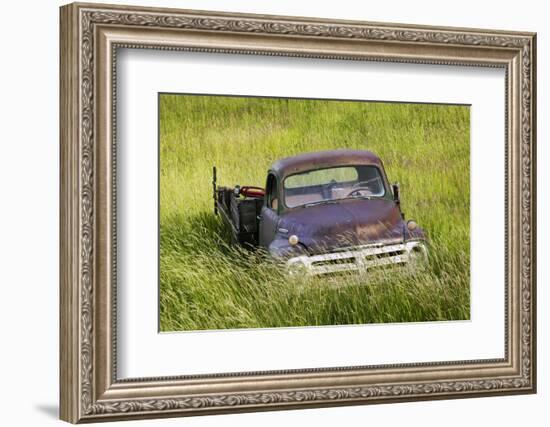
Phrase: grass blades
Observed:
(205, 283)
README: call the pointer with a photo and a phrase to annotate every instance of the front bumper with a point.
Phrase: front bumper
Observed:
(362, 258)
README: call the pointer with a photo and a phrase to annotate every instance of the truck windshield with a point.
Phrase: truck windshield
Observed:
(331, 184)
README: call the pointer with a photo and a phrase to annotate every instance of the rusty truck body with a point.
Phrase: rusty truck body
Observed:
(324, 212)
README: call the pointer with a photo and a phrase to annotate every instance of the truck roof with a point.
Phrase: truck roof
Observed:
(323, 159)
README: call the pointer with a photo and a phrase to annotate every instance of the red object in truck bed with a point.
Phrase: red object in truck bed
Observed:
(249, 191)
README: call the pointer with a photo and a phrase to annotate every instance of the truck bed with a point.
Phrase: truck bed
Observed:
(240, 214)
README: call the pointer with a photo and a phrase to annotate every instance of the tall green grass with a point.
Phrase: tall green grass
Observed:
(205, 283)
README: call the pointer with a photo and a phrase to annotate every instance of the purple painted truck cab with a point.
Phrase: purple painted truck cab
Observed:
(324, 212)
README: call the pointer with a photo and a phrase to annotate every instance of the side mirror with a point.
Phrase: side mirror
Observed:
(395, 189)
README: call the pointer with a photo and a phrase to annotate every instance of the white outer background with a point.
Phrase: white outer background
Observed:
(29, 177)
(143, 352)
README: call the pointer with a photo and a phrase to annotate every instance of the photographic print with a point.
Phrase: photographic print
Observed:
(339, 248)
(287, 212)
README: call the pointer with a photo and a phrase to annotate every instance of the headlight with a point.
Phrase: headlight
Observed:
(411, 225)
(293, 240)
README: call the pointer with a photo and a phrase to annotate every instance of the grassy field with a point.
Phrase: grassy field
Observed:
(207, 284)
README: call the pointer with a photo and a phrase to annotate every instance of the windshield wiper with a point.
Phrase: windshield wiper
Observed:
(320, 202)
(333, 201)
(358, 197)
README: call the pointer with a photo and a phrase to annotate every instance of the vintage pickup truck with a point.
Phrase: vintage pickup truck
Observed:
(324, 212)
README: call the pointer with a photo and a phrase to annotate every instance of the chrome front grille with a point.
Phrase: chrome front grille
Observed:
(361, 258)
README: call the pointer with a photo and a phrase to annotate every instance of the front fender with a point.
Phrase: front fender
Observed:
(279, 248)
(417, 234)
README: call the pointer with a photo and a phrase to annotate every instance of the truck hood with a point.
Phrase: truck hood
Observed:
(327, 227)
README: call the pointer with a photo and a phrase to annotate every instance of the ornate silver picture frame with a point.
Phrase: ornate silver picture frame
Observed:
(90, 36)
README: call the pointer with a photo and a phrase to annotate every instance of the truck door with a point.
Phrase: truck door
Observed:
(269, 216)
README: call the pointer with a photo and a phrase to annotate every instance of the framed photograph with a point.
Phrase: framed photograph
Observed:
(266, 212)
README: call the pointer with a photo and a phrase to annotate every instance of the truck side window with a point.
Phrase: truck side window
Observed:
(271, 192)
